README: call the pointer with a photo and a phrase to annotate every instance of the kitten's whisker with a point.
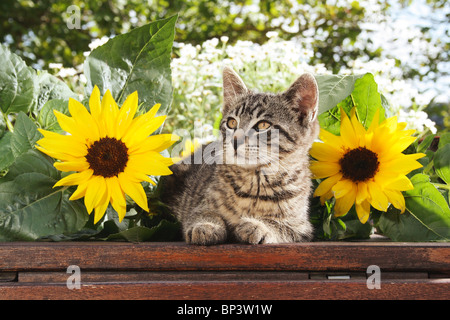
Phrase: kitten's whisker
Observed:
(288, 171)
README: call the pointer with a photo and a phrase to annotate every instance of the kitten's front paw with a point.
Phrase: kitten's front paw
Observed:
(206, 233)
(254, 232)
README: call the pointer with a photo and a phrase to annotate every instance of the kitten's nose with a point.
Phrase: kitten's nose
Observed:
(238, 138)
(237, 142)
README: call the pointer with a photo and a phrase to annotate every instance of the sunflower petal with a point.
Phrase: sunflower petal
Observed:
(375, 121)
(121, 210)
(156, 143)
(100, 209)
(116, 191)
(321, 169)
(95, 193)
(326, 185)
(80, 192)
(95, 104)
(150, 163)
(140, 130)
(110, 110)
(134, 190)
(152, 112)
(126, 114)
(396, 198)
(75, 178)
(69, 125)
(84, 120)
(62, 143)
(347, 132)
(363, 211)
(362, 192)
(326, 196)
(117, 197)
(378, 199)
(325, 152)
(402, 164)
(71, 166)
(344, 204)
(360, 132)
(54, 154)
(330, 139)
(342, 187)
(401, 144)
(401, 184)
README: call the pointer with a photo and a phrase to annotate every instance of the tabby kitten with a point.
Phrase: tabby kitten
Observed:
(253, 184)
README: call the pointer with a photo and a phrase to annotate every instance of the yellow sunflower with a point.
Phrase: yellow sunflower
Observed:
(364, 167)
(110, 150)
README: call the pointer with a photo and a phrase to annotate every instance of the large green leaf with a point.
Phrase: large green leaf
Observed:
(442, 163)
(49, 88)
(364, 97)
(444, 139)
(17, 83)
(2, 124)
(333, 89)
(13, 145)
(367, 99)
(427, 215)
(6, 155)
(47, 118)
(25, 135)
(138, 60)
(30, 207)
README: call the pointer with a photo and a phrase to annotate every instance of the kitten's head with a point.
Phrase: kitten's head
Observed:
(262, 128)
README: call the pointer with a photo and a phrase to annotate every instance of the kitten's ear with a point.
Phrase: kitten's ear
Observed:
(233, 86)
(303, 95)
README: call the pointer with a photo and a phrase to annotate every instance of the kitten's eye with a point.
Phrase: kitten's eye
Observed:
(262, 125)
(232, 123)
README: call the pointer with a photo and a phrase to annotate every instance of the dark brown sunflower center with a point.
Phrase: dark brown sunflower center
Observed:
(107, 157)
(359, 164)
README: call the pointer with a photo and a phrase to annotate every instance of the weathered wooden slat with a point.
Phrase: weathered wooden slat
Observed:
(121, 276)
(108, 276)
(234, 290)
(315, 256)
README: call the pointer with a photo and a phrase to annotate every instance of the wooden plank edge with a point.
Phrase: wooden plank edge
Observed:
(236, 290)
(320, 256)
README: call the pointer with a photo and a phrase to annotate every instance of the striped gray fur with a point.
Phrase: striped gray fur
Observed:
(264, 201)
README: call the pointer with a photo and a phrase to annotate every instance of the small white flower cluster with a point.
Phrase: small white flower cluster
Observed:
(197, 74)
(75, 75)
(272, 67)
(417, 120)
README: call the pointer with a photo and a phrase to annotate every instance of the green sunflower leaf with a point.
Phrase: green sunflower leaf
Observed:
(427, 215)
(25, 135)
(30, 208)
(13, 145)
(362, 94)
(138, 60)
(17, 83)
(2, 124)
(333, 89)
(444, 140)
(442, 163)
(367, 99)
(50, 88)
(47, 118)
(7, 157)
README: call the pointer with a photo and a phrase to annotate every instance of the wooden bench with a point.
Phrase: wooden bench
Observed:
(316, 270)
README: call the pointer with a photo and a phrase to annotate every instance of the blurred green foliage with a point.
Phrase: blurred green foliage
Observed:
(37, 30)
